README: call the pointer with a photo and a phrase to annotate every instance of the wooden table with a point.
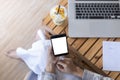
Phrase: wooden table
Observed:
(87, 52)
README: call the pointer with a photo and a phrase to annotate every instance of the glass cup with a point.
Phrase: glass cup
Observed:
(58, 14)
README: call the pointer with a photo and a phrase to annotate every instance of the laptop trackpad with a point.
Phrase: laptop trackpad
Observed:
(99, 28)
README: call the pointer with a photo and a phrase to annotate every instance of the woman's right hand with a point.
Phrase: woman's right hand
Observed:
(67, 66)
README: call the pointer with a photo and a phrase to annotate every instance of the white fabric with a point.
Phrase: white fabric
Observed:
(35, 57)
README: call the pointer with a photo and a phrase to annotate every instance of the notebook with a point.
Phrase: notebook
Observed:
(111, 56)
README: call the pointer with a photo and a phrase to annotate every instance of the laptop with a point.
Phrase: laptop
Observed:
(93, 18)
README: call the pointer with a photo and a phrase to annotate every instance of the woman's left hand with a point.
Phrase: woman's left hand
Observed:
(51, 61)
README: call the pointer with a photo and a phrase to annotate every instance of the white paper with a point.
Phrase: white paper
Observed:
(111, 56)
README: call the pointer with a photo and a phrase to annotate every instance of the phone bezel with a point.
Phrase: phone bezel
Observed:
(58, 36)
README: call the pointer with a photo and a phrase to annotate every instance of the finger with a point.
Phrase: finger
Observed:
(55, 61)
(61, 63)
(50, 53)
(60, 67)
(50, 49)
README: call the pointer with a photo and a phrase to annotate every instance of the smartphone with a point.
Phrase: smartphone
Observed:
(59, 44)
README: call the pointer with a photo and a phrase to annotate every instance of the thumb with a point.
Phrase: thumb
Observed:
(60, 65)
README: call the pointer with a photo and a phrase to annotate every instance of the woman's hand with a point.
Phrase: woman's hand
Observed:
(51, 61)
(67, 66)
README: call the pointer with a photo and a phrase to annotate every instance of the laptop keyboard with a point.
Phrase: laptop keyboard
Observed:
(97, 10)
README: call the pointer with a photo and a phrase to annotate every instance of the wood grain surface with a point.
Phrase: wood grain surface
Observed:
(19, 21)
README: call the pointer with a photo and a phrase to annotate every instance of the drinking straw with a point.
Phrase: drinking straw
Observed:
(58, 9)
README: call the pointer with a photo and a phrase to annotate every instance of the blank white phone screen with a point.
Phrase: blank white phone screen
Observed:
(59, 45)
